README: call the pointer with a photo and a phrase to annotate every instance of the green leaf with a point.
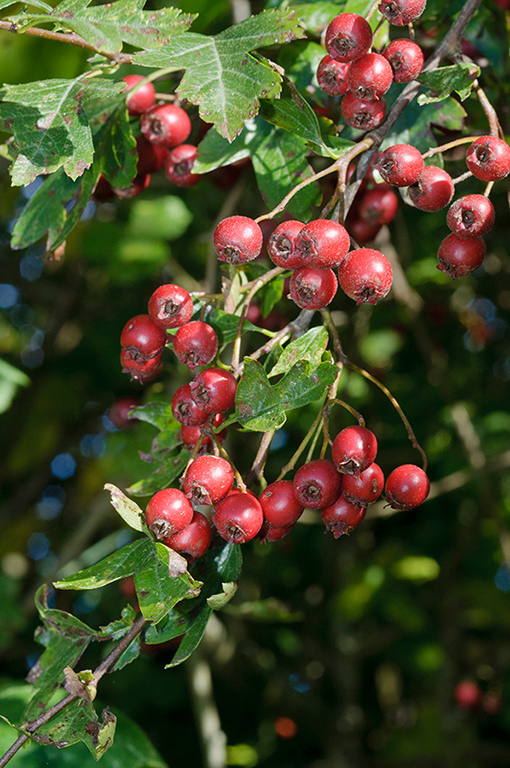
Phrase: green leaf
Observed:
(220, 599)
(131, 653)
(443, 81)
(226, 324)
(315, 17)
(11, 379)
(158, 592)
(228, 562)
(310, 346)
(79, 722)
(127, 509)
(173, 625)
(171, 468)
(120, 564)
(262, 407)
(155, 413)
(31, 3)
(221, 76)
(414, 126)
(118, 628)
(193, 636)
(271, 294)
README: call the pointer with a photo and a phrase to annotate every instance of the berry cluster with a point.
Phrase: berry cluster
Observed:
(471, 698)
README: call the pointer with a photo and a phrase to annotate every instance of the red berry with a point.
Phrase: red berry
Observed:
(342, 517)
(313, 288)
(354, 449)
(195, 344)
(471, 215)
(280, 246)
(194, 540)
(459, 256)
(317, 484)
(378, 205)
(185, 410)
(138, 367)
(103, 191)
(360, 230)
(468, 695)
(364, 114)
(137, 186)
(142, 336)
(348, 37)
(488, 158)
(238, 517)
(365, 275)
(208, 479)
(267, 534)
(364, 488)
(370, 77)
(405, 58)
(119, 413)
(214, 390)
(150, 156)
(322, 244)
(401, 12)
(141, 99)
(492, 703)
(280, 507)
(237, 240)
(332, 76)
(170, 306)
(191, 435)
(168, 512)
(407, 487)
(167, 124)
(400, 165)
(178, 165)
(433, 190)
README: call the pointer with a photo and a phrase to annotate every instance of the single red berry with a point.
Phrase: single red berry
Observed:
(138, 367)
(400, 165)
(170, 306)
(378, 205)
(348, 37)
(322, 244)
(119, 413)
(194, 540)
(360, 230)
(195, 344)
(354, 449)
(488, 158)
(363, 114)
(313, 288)
(268, 534)
(237, 240)
(178, 166)
(150, 156)
(459, 256)
(402, 12)
(365, 275)
(468, 695)
(214, 390)
(191, 435)
(185, 410)
(103, 191)
(433, 190)
(332, 76)
(208, 479)
(492, 703)
(364, 488)
(137, 186)
(143, 337)
(405, 58)
(167, 124)
(280, 507)
(142, 99)
(471, 216)
(280, 246)
(168, 512)
(317, 484)
(342, 517)
(370, 77)
(407, 487)
(238, 517)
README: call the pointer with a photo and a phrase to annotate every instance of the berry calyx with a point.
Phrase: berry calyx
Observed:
(317, 484)
(363, 114)
(348, 37)
(407, 487)
(280, 507)
(459, 256)
(194, 540)
(195, 343)
(238, 517)
(354, 449)
(322, 244)
(280, 246)
(208, 479)
(168, 512)
(237, 240)
(365, 275)
(471, 216)
(370, 77)
(488, 158)
(141, 99)
(185, 410)
(178, 166)
(332, 76)
(341, 517)
(167, 124)
(401, 12)
(433, 190)
(405, 58)
(170, 306)
(142, 337)
(214, 390)
(138, 367)
(365, 488)
(313, 288)
(400, 165)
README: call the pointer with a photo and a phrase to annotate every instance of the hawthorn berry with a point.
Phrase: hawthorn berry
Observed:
(354, 449)
(407, 487)
(142, 99)
(280, 246)
(191, 435)
(238, 517)
(468, 695)
(405, 58)
(138, 367)
(185, 410)
(194, 540)
(237, 240)
(279, 504)
(313, 288)
(178, 165)
(269, 534)
(150, 156)
(488, 158)
(378, 205)
(459, 256)
(195, 343)
(170, 306)
(348, 37)
(365, 275)
(361, 231)
(332, 76)
(168, 512)
(400, 165)
(142, 336)
(370, 77)
(492, 703)
(119, 413)
(433, 190)
(317, 484)
(342, 517)
(364, 488)
(363, 114)
(137, 186)
(214, 390)
(166, 124)
(322, 244)
(471, 216)
(208, 479)
(402, 12)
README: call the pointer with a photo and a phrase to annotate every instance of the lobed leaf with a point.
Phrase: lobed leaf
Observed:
(310, 346)
(79, 722)
(414, 126)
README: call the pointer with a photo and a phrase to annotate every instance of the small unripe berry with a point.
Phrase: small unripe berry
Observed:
(433, 190)
(407, 487)
(400, 165)
(168, 512)
(170, 306)
(363, 114)
(313, 288)
(488, 158)
(365, 275)
(405, 58)
(354, 449)
(471, 216)
(348, 37)
(459, 256)
(237, 240)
